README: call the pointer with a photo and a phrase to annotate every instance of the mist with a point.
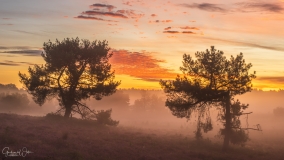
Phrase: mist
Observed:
(146, 109)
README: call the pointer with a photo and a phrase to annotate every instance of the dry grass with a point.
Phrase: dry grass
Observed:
(59, 139)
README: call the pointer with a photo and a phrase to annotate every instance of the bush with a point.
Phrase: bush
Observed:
(239, 137)
(54, 116)
(279, 112)
(103, 117)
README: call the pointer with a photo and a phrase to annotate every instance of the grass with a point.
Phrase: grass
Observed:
(59, 139)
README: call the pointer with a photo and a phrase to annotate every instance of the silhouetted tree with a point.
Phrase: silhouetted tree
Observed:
(74, 70)
(237, 134)
(210, 79)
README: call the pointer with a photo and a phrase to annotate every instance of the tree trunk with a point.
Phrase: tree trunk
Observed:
(227, 124)
(67, 111)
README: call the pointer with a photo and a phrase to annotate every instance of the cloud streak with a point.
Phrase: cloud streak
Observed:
(15, 47)
(271, 79)
(168, 28)
(161, 21)
(188, 32)
(24, 52)
(110, 14)
(209, 7)
(187, 27)
(177, 32)
(238, 7)
(259, 6)
(99, 5)
(8, 64)
(13, 63)
(93, 18)
(97, 10)
(26, 32)
(247, 44)
(172, 32)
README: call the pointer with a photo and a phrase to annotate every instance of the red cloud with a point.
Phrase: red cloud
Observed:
(140, 65)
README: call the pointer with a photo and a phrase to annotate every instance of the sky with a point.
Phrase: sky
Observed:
(148, 37)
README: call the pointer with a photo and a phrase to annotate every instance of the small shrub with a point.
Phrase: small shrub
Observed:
(104, 117)
(6, 137)
(239, 137)
(278, 112)
(74, 155)
(54, 116)
(65, 136)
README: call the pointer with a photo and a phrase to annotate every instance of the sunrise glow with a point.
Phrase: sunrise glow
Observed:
(147, 38)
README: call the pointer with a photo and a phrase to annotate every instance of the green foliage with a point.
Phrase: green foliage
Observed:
(74, 70)
(104, 117)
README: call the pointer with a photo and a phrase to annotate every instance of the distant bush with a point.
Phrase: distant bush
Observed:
(13, 101)
(54, 116)
(239, 137)
(8, 87)
(279, 112)
(103, 117)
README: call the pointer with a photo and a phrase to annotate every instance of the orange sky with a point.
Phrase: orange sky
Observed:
(148, 37)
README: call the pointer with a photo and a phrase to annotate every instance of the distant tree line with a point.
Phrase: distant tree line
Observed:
(12, 99)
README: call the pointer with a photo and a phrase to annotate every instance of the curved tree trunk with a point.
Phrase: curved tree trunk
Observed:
(67, 111)
(227, 124)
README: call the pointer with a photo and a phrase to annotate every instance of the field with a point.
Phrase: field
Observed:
(57, 138)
